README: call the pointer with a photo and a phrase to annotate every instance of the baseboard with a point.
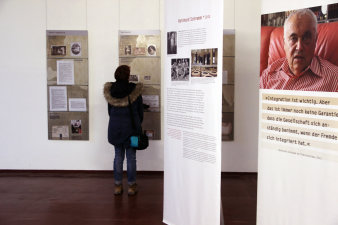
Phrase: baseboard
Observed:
(95, 173)
(68, 173)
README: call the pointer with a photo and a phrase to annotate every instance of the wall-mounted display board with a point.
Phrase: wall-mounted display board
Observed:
(67, 85)
(228, 81)
(141, 50)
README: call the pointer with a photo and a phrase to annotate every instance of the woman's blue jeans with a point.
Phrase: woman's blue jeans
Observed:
(130, 152)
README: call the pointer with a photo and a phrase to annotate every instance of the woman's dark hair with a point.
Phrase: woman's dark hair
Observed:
(122, 73)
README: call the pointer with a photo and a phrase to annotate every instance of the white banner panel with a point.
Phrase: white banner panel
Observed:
(192, 106)
(298, 158)
(298, 134)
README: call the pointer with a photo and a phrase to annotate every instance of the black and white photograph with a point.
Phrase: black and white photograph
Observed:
(76, 126)
(180, 69)
(127, 50)
(75, 49)
(172, 42)
(133, 78)
(58, 50)
(147, 77)
(151, 50)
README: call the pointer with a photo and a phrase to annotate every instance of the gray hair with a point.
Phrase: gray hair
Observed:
(300, 13)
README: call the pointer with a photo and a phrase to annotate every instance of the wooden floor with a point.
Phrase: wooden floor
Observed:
(71, 198)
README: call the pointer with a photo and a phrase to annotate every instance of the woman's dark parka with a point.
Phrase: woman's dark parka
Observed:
(120, 126)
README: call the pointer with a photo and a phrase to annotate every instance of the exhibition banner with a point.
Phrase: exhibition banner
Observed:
(298, 119)
(192, 112)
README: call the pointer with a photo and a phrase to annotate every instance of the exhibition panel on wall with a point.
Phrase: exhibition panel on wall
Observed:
(192, 112)
(67, 80)
(141, 50)
(298, 138)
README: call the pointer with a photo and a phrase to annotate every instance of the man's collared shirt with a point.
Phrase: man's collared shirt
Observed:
(320, 75)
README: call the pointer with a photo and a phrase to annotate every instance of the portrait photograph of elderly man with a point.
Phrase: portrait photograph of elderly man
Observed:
(298, 51)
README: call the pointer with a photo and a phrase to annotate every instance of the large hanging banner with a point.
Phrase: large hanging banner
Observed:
(298, 137)
(192, 112)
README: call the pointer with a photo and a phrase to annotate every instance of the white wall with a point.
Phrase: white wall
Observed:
(241, 155)
(24, 141)
(271, 6)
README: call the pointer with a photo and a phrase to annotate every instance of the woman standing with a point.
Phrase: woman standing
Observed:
(120, 126)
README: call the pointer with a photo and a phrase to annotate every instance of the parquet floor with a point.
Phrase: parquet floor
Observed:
(81, 198)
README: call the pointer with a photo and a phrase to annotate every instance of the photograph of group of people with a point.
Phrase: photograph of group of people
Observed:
(180, 69)
(304, 55)
(204, 62)
(204, 57)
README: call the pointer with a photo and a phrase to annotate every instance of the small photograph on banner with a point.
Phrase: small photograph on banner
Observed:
(139, 51)
(134, 78)
(127, 50)
(147, 78)
(171, 42)
(180, 69)
(204, 62)
(60, 133)
(199, 71)
(58, 50)
(75, 48)
(76, 126)
(287, 68)
(151, 50)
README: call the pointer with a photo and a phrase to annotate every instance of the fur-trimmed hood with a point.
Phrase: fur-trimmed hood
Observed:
(121, 102)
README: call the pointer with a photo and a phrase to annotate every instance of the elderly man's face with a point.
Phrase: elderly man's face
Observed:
(299, 42)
